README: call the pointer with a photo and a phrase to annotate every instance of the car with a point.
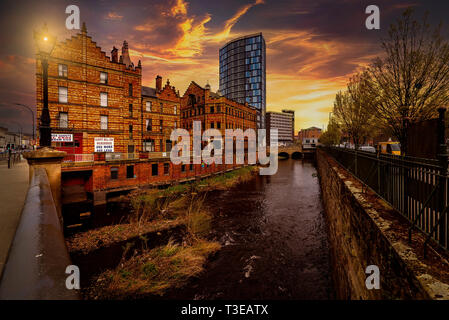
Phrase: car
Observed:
(367, 149)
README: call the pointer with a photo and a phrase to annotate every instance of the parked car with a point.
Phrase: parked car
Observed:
(390, 147)
(367, 149)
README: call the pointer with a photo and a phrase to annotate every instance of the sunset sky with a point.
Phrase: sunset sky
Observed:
(313, 46)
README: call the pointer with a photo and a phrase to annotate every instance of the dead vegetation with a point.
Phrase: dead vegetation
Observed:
(153, 271)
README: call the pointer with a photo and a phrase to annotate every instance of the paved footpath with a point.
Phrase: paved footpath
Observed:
(13, 190)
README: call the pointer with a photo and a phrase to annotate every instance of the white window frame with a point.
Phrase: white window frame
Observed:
(103, 99)
(105, 80)
(148, 106)
(63, 96)
(62, 72)
(63, 123)
(103, 123)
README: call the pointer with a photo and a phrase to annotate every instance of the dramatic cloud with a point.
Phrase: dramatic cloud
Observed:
(313, 46)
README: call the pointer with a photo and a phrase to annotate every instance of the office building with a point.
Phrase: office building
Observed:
(242, 73)
(284, 123)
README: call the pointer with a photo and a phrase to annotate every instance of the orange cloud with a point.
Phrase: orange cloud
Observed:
(304, 69)
(233, 20)
(113, 16)
(179, 8)
(190, 43)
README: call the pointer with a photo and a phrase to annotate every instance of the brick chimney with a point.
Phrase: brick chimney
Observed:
(158, 83)
(114, 55)
(125, 54)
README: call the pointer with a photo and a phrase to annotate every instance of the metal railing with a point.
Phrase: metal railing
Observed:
(113, 156)
(85, 157)
(417, 188)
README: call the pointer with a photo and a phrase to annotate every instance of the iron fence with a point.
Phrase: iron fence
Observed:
(416, 187)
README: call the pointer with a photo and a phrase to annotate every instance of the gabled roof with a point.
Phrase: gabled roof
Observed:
(148, 91)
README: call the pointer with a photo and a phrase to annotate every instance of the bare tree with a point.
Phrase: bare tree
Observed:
(352, 110)
(412, 80)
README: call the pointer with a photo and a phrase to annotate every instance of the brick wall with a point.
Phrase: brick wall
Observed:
(364, 230)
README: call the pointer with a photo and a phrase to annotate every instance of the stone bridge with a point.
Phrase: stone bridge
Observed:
(295, 152)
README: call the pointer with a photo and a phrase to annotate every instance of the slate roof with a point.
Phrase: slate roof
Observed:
(148, 91)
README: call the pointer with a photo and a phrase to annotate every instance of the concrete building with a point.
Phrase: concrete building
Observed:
(243, 73)
(284, 122)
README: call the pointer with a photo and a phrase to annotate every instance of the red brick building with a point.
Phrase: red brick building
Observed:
(160, 115)
(116, 132)
(214, 111)
(92, 97)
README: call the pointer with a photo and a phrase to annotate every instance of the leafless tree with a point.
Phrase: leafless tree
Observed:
(411, 81)
(352, 109)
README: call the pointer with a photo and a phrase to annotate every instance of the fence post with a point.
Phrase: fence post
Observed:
(378, 172)
(443, 158)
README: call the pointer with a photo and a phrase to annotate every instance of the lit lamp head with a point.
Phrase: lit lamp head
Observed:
(44, 41)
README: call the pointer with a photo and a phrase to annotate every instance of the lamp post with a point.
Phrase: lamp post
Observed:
(20, 132)
(45, 44)
(32, 114)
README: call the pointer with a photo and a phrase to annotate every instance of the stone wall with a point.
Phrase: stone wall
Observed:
(364, 230)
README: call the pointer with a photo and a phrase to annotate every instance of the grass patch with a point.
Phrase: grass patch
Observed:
(154, 271)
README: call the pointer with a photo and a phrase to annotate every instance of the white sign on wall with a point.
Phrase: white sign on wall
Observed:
(104, 144)
(62, 137)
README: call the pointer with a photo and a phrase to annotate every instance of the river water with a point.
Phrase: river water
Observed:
(274, 240)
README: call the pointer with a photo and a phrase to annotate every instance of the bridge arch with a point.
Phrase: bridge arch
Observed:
(283, 155)
(296, 155)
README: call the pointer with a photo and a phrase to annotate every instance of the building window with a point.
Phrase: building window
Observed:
(161, 124)
(130, 131)
(148, 145)
(168, 145)
(166, 169)
(62, 70)
(148, 125)
(218, 125)
(175, 110)
(103, 99)
(176, 124)
(130, 172)
(183, 168)
(103, 77)
(62, 92)
(154, 169)
(148, 106)
(130, 110)
(130, 87)
(114, 173)
(63, 119)
(191, 167)
(212, 125)
(104, 122)
(211, 109)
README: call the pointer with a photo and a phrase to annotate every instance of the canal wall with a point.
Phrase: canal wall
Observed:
(364, 230)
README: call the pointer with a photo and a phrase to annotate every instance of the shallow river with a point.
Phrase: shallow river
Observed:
(274, 240)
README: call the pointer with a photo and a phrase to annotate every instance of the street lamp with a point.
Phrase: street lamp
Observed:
(32, 114)
(20, 133)
(45, 44)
